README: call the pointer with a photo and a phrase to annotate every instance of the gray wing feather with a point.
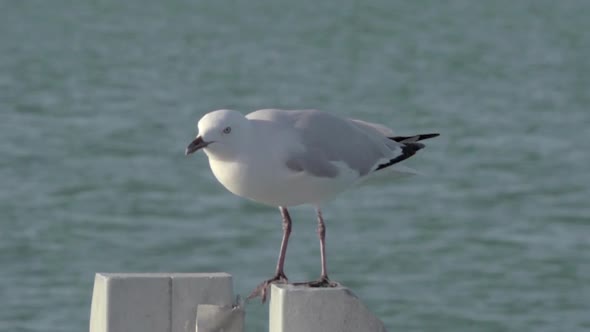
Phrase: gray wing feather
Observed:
(314, 162)
(381, 129)
(327, 138)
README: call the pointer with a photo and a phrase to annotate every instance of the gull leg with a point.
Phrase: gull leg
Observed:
(323, 281)
(279, 275)
(284, 242)
(322, 236)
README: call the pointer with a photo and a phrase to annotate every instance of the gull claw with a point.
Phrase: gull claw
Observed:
(322, 282)
(262, 289)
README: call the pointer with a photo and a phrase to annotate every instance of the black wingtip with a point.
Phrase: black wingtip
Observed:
(409, 146)
(408, 150)
(414, 138)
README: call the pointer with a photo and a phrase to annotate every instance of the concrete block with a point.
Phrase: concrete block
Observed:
(158, 302)
(301, 309)
(215, 318)
(127, 302)
(191, 290)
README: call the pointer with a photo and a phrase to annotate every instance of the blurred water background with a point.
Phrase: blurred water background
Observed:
(99, 98)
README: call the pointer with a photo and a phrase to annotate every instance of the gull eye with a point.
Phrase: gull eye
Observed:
(227, 130)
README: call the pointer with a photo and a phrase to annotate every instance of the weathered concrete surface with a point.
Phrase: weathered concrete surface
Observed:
(158, 302)
(214, 318)
(303, 309)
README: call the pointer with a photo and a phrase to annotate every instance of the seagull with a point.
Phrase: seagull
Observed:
(285, 158)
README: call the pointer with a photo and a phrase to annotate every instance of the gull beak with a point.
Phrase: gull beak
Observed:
(195, 145)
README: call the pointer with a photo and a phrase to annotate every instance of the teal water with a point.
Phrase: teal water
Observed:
(98, 100)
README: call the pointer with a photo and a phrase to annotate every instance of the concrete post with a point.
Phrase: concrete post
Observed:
(158, 302)
(301, 309)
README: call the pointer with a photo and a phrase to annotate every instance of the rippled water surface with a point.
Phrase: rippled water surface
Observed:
(99, 98)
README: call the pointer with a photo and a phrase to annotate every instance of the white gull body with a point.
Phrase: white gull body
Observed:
(288, 158)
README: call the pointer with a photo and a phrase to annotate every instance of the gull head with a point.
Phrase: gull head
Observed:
(220, 135)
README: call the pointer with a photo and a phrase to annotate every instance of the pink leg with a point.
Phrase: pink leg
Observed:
(323, 281)
(279, 275)
(322, 236)
(284, 242)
